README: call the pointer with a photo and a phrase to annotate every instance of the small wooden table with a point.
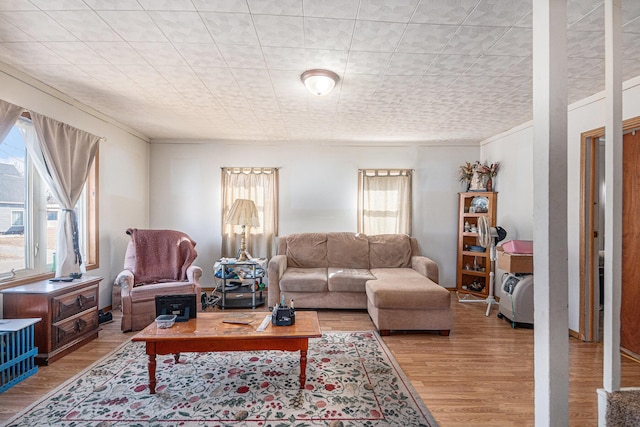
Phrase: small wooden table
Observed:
(209, 332)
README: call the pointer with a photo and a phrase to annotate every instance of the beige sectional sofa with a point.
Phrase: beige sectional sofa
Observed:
(383, 273)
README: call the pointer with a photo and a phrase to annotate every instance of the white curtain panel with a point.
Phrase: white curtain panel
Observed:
(261, 186)
(63, 156)
(386, 202)
(9, 113)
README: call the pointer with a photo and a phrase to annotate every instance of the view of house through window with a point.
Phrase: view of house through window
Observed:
(28, 212)
(384, 201)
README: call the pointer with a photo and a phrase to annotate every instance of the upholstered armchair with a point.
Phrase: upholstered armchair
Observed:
(156, 262)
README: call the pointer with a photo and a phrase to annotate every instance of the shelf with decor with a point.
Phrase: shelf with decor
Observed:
(473, 262)
(239, 284)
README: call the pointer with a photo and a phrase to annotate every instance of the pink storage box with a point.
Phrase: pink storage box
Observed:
(518, 247)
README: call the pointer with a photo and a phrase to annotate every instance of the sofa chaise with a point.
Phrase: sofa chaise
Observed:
(384, 274)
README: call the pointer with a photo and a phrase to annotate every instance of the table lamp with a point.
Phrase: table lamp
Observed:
(243, 212)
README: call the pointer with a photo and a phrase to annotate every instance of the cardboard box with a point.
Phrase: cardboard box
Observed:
(514, 263)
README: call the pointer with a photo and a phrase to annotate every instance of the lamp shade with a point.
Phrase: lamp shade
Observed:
(243, 212)
(319, 82)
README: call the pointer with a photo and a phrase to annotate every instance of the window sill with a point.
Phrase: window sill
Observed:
(35, 278)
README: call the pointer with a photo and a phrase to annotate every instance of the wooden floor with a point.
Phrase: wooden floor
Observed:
(480, 375)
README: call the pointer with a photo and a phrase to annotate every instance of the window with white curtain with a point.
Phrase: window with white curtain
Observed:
(384, 201)
(28, 212)
(261, 186)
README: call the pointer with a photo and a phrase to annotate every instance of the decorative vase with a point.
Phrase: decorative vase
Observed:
(490, 184)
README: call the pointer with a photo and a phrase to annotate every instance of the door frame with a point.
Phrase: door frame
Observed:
(589, 164)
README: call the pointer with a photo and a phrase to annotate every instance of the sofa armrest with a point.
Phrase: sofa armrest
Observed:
(124, 280)
(426, 266)
(276, 268)
(194, 273)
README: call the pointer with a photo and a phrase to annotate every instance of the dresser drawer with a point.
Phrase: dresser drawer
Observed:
(68, 313)
(67, 305)
(68, 330)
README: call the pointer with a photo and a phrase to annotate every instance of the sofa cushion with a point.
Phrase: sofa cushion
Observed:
(348, 279)
(148, 292)
(389, 251)
(410, 294)
(307, 250)
(348, 250)
(304, 280)
(397, 274)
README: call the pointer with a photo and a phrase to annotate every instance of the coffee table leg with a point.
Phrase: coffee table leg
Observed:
(303, 368)
(176, 357)
(152, 371)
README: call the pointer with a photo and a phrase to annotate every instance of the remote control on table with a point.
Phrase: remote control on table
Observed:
(264, 323)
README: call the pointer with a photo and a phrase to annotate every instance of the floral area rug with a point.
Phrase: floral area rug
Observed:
(352, 380)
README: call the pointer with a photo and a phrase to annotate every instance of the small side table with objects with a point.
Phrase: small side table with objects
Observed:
(239, 284)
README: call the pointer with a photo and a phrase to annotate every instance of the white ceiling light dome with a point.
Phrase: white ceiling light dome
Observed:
(319, 82)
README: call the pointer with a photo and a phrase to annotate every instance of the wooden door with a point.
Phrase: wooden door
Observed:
(630, 309)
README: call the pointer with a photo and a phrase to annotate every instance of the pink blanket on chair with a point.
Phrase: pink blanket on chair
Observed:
(161, 255)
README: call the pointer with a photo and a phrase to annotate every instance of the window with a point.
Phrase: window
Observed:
(17, 218)
(29, 214)
(384, 201)
(261, 186)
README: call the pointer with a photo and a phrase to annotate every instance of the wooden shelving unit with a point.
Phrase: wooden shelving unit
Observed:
(473, 268)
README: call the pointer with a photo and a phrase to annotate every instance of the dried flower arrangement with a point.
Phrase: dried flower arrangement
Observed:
(466, 172)
(473, 175)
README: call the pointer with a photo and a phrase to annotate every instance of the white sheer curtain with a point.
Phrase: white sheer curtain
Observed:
(384, 202)
(9, 113)
(261, 186)
(63, 156)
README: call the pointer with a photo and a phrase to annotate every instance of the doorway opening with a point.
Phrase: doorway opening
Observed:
(592, 198)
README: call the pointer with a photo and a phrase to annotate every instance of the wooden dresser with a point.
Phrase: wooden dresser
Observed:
(69, 313)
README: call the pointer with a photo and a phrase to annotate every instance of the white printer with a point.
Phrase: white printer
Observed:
(516, 300)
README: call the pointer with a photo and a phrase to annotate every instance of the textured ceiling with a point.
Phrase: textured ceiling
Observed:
(410, 70)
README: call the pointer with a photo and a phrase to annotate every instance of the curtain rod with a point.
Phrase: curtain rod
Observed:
(249, 171)
(385, 172)
(386, 169)
(26, 115)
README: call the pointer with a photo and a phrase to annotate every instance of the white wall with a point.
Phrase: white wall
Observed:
(515, 150)
(123, 163)
(318, 190)
(514, 182)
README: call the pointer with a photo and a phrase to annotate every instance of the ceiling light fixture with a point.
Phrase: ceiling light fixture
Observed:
(319, 82)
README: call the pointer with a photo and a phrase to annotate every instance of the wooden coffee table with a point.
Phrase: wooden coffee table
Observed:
(210, 332)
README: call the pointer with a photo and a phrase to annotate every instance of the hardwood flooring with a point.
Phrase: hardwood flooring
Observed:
(480, 375)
